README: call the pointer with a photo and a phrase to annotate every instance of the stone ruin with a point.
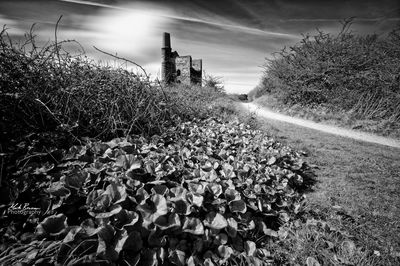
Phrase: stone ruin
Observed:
(179, 69)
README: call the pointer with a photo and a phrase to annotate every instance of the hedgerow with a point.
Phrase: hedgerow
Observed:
(350, 72)
(48, 88)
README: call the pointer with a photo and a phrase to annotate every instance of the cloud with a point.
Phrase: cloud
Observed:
(89, 3)
(11, 25)
(169, 14)
(135, 31)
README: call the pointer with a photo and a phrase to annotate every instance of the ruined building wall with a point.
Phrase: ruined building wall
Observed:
(180, 69)
(196, 71)
(183, 65)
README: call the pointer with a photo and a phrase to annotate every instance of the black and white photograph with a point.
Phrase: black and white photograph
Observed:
(199, 132)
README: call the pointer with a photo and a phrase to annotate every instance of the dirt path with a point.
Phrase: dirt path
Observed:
(359, 175)
(321, 127)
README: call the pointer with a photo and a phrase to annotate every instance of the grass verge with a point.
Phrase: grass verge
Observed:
(352, 211)
(332, 116)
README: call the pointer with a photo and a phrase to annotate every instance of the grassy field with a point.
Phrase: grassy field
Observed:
(354, 204)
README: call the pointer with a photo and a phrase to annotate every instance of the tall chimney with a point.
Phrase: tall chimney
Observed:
(166, 64)
(166, 40)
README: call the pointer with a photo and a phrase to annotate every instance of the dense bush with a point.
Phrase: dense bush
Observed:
(48, 88)
(345, 71)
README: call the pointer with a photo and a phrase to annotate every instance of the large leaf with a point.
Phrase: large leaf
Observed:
(195, 199)
(215, 221)
(157, 238)
(232, 227)
(215, 189)
(76, 178)
(101, 202)
(105, 248)
(178, 193)
(96, 167)
(150, 167)
(106, 213)
(148, 258)
(182, 207)
(88, 227)
(193, 225)
(238, 206)
(228, 171)
(168, 221)
(75, 153)
(232, 194)
(117, 192)
(125, 218)
(53, 225)
(312, 262)
(267, 231)
(250, 248)
(128, 162)
(58, 189)
(99, 148)
(196, 188)
(141, 195)
(207, 166)
(225, 252)
(133, 243)
(93, 195)
(73, 233)
(177, 257)
(160, 189)
(153, 208)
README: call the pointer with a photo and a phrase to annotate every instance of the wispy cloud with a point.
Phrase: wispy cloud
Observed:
(11, 25)
(88, 3)
(191, 19)
(339, 19)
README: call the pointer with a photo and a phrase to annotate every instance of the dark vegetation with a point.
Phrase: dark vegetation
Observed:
(47, 89)
(101, 166)
(353, 76)
(238, 97)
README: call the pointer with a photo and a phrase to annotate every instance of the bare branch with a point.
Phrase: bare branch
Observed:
(124, 59)
(55, 38)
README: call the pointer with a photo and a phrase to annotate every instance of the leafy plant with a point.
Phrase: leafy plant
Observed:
(204, 192)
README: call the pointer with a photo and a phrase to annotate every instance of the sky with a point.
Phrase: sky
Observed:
(233, 37)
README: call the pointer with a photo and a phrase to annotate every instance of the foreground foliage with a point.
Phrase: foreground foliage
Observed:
(202, 193)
